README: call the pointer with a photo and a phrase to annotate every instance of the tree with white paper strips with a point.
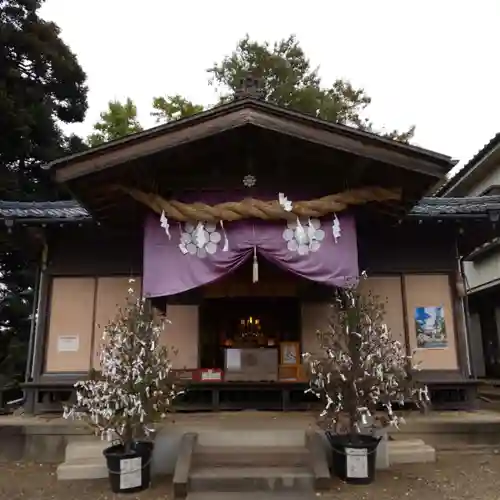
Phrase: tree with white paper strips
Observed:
(136, 384)
(359, 369)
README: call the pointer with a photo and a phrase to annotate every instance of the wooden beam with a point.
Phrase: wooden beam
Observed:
(344, 143)
(154, 145)
(291, 126)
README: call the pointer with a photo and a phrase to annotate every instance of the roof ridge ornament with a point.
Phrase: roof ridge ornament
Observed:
(249, 86)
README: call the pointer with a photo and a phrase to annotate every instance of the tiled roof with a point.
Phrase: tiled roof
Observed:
(38, 210)
(470, 165)
(456, 207)
(427, 207)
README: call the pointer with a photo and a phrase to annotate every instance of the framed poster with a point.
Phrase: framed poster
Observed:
(430, 327)
(289, 353)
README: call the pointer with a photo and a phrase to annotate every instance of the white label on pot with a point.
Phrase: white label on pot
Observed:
(130, 473)
(357, 462)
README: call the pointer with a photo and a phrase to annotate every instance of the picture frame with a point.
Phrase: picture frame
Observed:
(430, 327)
(289, 353)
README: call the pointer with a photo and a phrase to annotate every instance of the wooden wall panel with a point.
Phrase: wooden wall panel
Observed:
(182, 334)
(112, 293)
(314, 318)
(388, 290)
(71, 315)
(432, 290)
(417, 248)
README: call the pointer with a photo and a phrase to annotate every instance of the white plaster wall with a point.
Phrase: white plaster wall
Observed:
(482, 273)
(492, 179)
(485, 272)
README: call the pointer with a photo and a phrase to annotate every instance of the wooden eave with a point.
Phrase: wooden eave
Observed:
(250, 112)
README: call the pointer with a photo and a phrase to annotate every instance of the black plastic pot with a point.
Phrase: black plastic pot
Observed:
(354, 457)
(129, 472)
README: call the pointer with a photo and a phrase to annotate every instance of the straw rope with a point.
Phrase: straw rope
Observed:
(259, 209)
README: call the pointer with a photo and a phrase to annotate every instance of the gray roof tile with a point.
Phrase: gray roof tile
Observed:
(446, 207)
(29, 210)
(427, 207)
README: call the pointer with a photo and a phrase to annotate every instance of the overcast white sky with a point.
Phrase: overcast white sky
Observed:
(432, 63)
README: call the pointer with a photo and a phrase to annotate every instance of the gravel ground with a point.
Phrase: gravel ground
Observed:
(453, 477)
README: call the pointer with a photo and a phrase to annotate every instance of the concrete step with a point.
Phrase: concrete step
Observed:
(405, 443)
(77, 450)
(252, 437)
(491, 393)
(82, 469)
(275, 495)
(410, 452)
(236, 479)
(251, 456)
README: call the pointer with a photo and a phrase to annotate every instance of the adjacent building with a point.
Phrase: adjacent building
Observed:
(478, 184)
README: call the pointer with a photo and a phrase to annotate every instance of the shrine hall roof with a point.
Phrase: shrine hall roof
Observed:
(43, 210)
(66, 211)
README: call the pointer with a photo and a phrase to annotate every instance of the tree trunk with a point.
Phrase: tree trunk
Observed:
(128, 437)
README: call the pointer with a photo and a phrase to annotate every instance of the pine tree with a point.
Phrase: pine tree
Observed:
(135, 386)
(359, 369)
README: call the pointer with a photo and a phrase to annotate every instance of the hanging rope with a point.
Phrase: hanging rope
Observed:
(259, 209)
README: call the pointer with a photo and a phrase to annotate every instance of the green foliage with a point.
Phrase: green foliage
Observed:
(41, 86)
(359, 369)
(288, 80)
(136, 385)
(16, 300)
(173, 108)
(119, 120)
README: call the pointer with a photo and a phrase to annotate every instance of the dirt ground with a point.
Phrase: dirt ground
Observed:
(453, 477)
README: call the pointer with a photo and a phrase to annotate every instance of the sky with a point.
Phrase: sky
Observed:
(431, 63)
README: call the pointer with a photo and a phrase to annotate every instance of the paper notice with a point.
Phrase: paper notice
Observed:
(130, 473)
(233, 359)
(357, 462)
(211, 375)
(68, 343)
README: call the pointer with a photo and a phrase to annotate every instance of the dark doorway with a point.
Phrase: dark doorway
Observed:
(270, 319)
(487, 306)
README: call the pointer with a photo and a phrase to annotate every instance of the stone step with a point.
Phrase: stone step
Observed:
(410, 452)
(77, 450)
(252, 437)
(491, 393)
(405, 443)
(251, 456)
(236, 479)
(82, 469)
(274, 495)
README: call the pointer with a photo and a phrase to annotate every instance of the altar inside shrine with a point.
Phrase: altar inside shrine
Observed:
(252, 339)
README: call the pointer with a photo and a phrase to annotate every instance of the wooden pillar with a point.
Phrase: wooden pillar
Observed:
(462, 317)
(39, 332)
(406, 319)
(29, 358)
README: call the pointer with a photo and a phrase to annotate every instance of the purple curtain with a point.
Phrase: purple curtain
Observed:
(168, 271)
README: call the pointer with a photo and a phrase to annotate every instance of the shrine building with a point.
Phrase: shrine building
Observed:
(238, 223)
